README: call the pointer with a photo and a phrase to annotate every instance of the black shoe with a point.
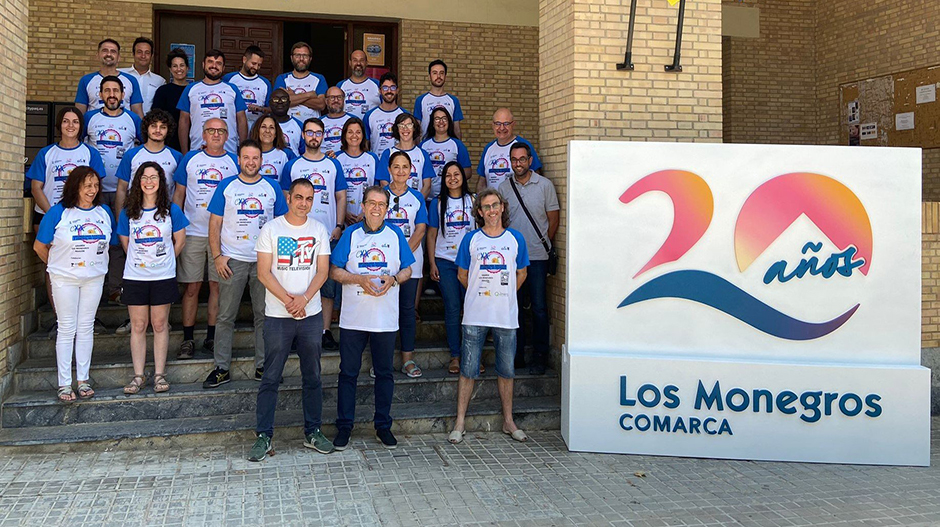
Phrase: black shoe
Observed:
(329, 343)
(342, 440)
(217, 378)
(259, 373)
(208, 344)
(387, 438)
(537, 369)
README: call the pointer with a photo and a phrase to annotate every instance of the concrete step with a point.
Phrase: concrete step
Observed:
(40, 409)
(114, 369)
(41, 345)
(530, 413)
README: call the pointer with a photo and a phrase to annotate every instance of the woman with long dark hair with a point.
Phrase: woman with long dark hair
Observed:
(359, 167)
(274, 150)
(443, 146)
(72, 241)
(153, 232)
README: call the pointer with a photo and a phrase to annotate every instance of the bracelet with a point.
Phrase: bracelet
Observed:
(305, 297)
(216, 257)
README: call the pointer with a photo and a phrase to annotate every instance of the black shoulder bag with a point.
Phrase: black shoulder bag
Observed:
(550, 249)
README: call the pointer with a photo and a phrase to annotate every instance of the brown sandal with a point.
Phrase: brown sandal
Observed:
(454, 367)
(135, 385)
(160, 383)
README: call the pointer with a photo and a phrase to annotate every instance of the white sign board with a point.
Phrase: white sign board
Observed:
(746, 302)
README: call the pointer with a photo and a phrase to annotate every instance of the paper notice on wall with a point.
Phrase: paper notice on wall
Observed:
(926, 93)
(869, 131)
(854, 114)
(904, 121)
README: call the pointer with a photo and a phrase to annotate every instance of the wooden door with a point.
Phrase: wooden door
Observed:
(233, 35)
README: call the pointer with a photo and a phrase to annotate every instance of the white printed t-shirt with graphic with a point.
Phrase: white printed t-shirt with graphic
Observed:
(294, 250)
(89, 91)
(273, 162)
(327, 178)
(458, 221)
(442, 153)
(201, 174)
(495, 165)
(421, 167)
(113, 137)
(245, 208)
(409, 212)
(79, 239)
(313, 82)
(379, 125)
(491, 285)
(293, 131)
(254, 90)
(333, 132)
(53, 164)
(202, 101)
(167, 158)
(426, 103)
(150, 252)
(359, 172)
(361, 97)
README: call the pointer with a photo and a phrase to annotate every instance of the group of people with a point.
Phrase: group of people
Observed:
(318, 199)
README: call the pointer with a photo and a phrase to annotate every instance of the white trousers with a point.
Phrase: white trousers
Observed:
(76, 302)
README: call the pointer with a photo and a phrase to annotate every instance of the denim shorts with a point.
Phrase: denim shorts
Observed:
(472, 351)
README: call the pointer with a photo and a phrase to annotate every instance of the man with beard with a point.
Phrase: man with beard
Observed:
(211, 98)
(362, 93)
(146, 79)
(86, 98)
(380, 120)
(155, 128)
(255, 89)
(333, 122)
(306, 89)
(292, 128)
(437, 98)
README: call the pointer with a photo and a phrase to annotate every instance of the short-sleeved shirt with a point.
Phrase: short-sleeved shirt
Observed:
(89, 91)
(327, 178)
(254, 90)
(540, 199)
(406, 212)
(201, 174)
(293, 131)
(79, 239)
(113, 137)
(495, 165)
(442, 153)
(273, 162)
(167, 158)
(53, 164)
(379, 125)
(421, 167)
(384, 252)
(492, 263)
(167, 97)
(359, 172)
(221, 100)
(458, 221)
(312, 82)
(333, 132)
(361, 97)
(294, 250)
(427, 103)
(150, 251)
(245, 208)
(148, 82)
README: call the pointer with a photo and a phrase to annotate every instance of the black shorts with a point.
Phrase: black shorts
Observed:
(37, 217)
(149, 293)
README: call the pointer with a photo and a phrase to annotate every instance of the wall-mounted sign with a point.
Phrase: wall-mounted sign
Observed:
(374, 46)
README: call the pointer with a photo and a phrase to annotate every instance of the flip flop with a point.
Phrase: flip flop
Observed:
(456, 436)
(518, 435)
(454, 367)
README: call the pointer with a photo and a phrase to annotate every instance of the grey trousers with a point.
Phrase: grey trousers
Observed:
(230, 296)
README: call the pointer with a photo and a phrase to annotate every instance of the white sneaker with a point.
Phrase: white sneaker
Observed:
(124, 328)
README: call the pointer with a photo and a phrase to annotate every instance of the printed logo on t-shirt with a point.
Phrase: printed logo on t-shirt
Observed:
(437, 159)
(251, 207)
(356, 176)
(286, 139)
(319, 183)
(500, 166)
(212, 102)
(88, 233)
(62, 171)
(398, 216)
(208, 176)
(333, 134)
(148, 235)
(355, 99)
(110, 138)
(493, 262)
(267, 169)
(385, 130)
(372, 259)
(294, 252)
(249, 95)
(458, 219)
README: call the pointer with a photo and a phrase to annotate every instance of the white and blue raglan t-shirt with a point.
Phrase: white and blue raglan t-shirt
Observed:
(89, 91)
(150, 252)
(333, 133)
(113, 137)
(273, 162)
(458, 221)
(53, 164)
(379, 125)
(202, 101)
(492, 263)
(254, 90)
(327, 178)
(245, 208)
(421, 167)
(79, 239)
(168, 158)
(201, 174)
(383, 252)
(361, 97)
(293, 131)
(359, 172)
(427, 103)
(406, 212)
(313, 82)
(442, 153)
(495, 165)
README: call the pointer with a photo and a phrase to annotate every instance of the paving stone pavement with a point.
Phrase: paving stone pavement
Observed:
(487, 480)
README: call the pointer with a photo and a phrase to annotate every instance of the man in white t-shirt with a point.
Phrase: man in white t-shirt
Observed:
(494, 166)
(307, 89)
(146, 79)
(86, 97)
(491, 265)
(211, 98)
(362, 93)
(333, 121)
(255, 89)
(381, 119)
(293, 263)
(436, 98)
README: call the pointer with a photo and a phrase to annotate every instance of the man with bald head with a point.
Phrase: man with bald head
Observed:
(362, 93)
(333, 121)
(494, 166)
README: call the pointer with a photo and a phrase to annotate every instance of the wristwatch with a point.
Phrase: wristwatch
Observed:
(340, 227)
(395, 278)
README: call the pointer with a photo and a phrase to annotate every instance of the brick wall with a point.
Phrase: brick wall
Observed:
(488, 67)
(930, 276)
(769, 82)
(63, 40)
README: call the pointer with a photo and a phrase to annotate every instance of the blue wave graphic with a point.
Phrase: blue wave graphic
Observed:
(714, 291)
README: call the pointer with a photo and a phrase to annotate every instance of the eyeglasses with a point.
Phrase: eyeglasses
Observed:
(301, 55)
(371, 203)
(516, 160)
(337, 97)
(505, 124)
(406, 126)
(493, 206)
(311, 133)
(150, 178)
(391, 87)
(440, 119)
(280, 99)
(216, 131)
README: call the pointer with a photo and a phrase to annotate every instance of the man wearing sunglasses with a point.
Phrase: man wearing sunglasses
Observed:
(494, 166)
(381, 120)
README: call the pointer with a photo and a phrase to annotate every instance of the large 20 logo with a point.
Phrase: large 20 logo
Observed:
(765, 215)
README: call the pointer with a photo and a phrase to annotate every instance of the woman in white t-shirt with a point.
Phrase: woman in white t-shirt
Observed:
(359, 167)
(275, 153)
(153, 232)
(73, 240)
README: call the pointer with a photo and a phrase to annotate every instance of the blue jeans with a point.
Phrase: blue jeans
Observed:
(534, 289)
(407, 325)
(452, 292)
(279, 333)
(473, 339)
(351, 345)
